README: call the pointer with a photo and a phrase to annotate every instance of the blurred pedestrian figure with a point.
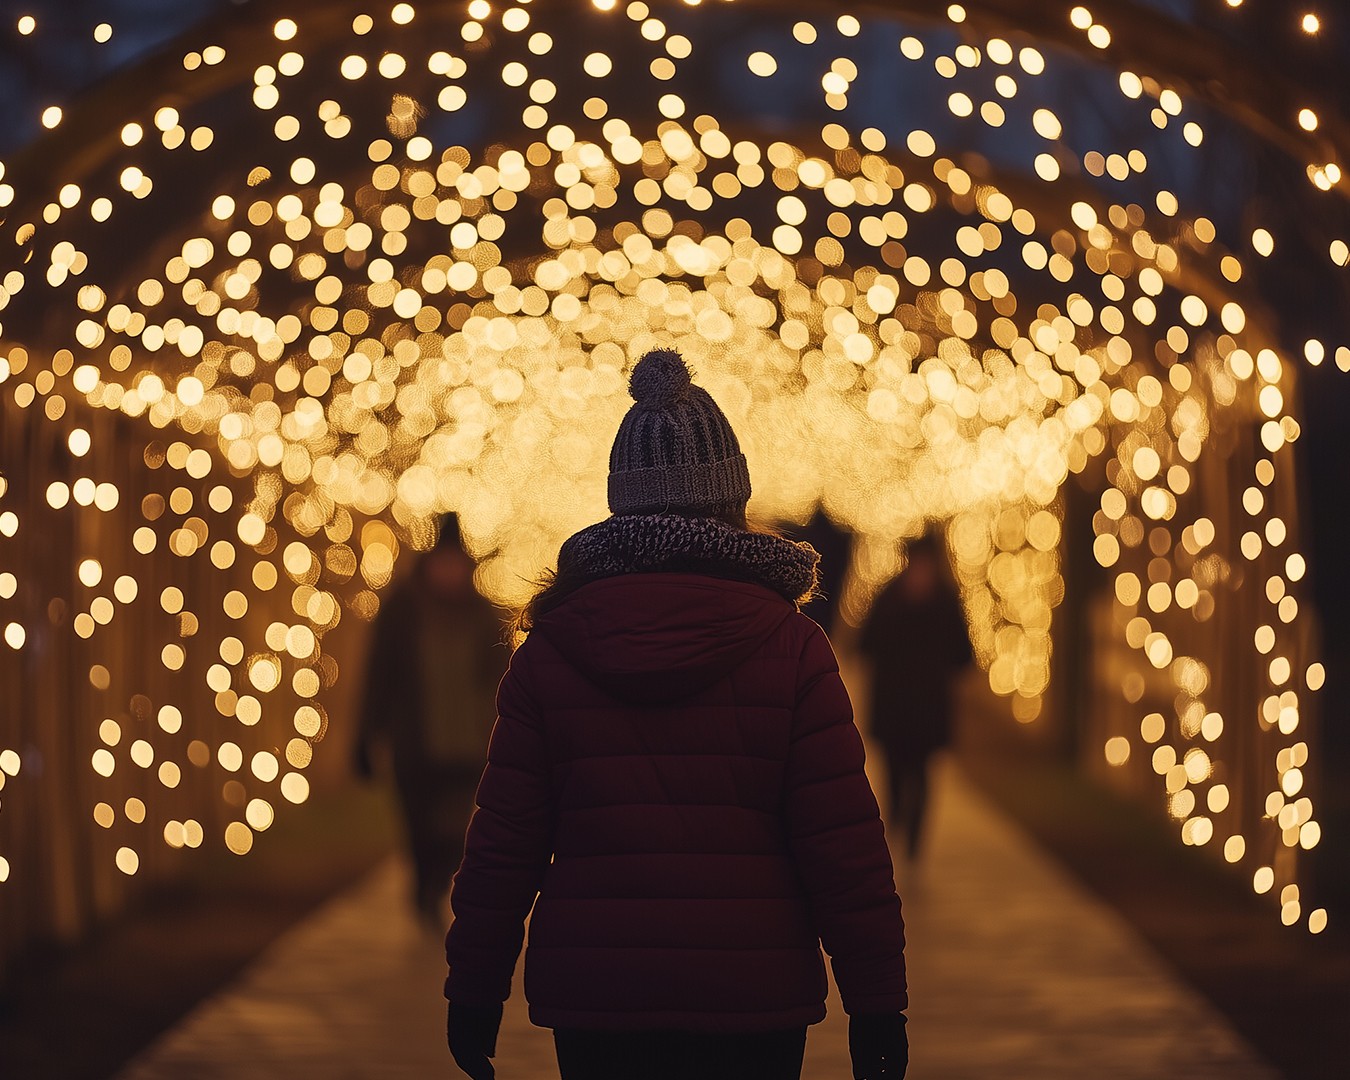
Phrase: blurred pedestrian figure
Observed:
(916, 639)
(834, 545)
(676, 786)
(435, 660)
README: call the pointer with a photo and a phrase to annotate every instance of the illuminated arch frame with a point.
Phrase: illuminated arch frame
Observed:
(980, 516)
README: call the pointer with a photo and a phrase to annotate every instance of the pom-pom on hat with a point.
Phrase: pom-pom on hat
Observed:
(675, 449)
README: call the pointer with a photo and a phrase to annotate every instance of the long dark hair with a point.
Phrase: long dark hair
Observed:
(553, 586)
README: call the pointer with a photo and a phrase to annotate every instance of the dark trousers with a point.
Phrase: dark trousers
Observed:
(908, 770)
(436, 809)
(680, 1055)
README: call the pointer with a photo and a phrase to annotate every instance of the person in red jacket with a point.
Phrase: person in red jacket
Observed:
(675, 785)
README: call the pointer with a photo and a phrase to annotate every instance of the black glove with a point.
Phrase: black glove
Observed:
(878, 1045)
(471, 1032)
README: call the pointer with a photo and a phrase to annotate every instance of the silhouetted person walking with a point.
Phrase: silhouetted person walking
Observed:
(435, 660)
(676, 785)
(915, 637)
(835, 546)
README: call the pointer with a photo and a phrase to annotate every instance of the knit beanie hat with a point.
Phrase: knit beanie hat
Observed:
(675, 449)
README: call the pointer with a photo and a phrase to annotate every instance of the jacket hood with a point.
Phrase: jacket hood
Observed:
(661, 636)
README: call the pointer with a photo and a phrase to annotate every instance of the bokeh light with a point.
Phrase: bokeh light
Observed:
(371, 318)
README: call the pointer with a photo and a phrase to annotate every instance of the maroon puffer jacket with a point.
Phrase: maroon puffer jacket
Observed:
(684, 750)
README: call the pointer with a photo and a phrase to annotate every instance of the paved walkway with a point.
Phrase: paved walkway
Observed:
(1015, 973)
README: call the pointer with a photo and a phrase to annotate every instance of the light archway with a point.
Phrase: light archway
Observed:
(345, 273)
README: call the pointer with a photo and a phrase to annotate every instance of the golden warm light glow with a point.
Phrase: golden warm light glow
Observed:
(345, 345)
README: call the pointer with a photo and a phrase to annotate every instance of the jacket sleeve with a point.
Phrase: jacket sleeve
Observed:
(838, 841)
(383, 667)
(958, 631)
(506, 850)
(874, 627)
(390, 698)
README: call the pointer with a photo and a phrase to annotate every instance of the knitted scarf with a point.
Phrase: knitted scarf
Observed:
(650, 543)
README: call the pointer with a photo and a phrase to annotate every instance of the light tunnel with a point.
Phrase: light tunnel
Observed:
(274, 302)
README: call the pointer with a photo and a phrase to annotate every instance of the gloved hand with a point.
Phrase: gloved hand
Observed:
(878, 1045)
(471, 1032)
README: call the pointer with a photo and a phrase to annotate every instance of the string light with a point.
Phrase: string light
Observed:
(466, 321)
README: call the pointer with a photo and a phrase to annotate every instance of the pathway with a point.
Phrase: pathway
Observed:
(1015, 973)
